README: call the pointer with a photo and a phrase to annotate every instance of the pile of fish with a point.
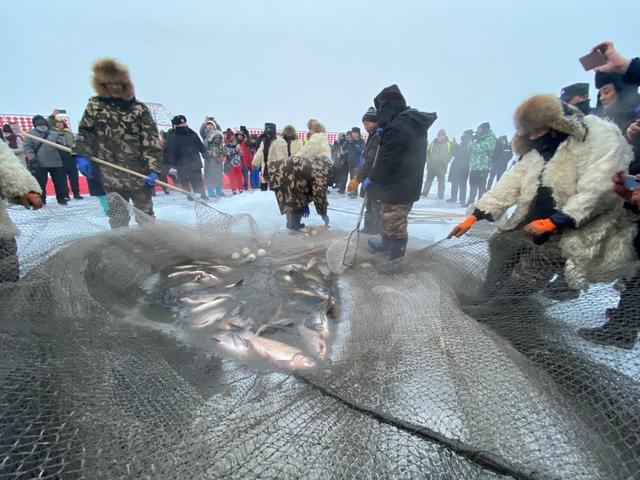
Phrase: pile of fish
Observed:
(254, 308)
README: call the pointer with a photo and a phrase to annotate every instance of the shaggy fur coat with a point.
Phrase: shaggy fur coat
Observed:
(600, 248)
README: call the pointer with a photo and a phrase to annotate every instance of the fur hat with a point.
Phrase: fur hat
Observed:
(545, 112)
(315, 126)
(108, 70)
(289, 131)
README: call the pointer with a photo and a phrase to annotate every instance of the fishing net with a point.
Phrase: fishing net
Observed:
(115, 363)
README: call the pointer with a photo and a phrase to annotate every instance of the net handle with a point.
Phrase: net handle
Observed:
(108, 164)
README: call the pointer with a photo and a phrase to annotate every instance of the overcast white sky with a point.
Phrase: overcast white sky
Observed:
(247, 62)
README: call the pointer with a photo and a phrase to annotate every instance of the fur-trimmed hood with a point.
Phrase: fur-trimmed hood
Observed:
(289, 131)
(109, 70)
(545, 112)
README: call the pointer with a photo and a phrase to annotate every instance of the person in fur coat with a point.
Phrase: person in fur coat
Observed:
(567, 216)
(119, 129)
(302, 178)
(274, 147)
(17, 185)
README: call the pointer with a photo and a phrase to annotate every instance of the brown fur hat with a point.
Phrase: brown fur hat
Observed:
(290, 131)
(545, 112)
(108, 70)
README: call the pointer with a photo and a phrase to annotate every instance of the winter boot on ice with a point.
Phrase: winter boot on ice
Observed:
(378, 245)
(617, 332)
(77, 196)
(294, 221)
(397, 248)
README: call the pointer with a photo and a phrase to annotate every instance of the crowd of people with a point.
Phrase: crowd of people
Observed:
(568, 205)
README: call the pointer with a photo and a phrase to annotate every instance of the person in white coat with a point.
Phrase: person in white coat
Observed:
(302, 178)
(567, 217)
(17, 185)
(273, 147)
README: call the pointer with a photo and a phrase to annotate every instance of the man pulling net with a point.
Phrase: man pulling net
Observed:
(567, 220)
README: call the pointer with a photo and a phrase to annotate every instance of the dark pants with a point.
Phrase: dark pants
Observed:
(59, 181)
(71, 172)
(427, 185)
(9, 266)
(462, 187)
(246, 176)
(119, 211)
(372, 216)
(191, 179)
(477, 184)
(496, 174)
(341, 172)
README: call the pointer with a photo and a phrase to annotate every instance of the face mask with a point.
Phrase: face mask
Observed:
(42, 128)
(547, 144)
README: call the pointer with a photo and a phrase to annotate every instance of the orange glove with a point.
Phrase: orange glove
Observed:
(30, 200)
(463, 227)
(540, 227)
(353, 186)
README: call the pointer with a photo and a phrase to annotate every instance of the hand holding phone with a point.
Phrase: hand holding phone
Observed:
(592, 60)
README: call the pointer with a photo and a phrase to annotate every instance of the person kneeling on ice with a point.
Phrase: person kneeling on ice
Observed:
(17, 185)
(562, 190)
(396, 177)
(303, 178)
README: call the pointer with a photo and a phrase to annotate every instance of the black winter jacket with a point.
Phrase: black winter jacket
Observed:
(183, 149)
(397, 174)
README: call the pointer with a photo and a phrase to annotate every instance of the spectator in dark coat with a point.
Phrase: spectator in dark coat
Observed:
(354, 151)
(499, 160)
(372, 212)
(459, 171)
(617, 100)
(340, 172)
(183, 150)
(396, 177)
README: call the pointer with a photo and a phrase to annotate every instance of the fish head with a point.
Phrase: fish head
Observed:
(300, 360)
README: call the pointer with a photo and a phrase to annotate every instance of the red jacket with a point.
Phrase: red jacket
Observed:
(247, 155)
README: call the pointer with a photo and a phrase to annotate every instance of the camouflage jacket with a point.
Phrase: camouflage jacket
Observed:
(302, 179)
(123, 133)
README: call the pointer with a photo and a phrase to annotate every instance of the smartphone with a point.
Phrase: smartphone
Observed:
(593, 60)
(630, 182)
(62, 111)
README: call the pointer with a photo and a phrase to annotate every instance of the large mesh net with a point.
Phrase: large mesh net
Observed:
(212, 351)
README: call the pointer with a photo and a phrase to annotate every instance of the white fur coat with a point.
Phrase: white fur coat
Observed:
(15, 181)
(277, 151)
(600, 248)
(317, 146)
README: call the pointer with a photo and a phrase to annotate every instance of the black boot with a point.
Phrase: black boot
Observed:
(378, 245)
(397, 248)
(77, 196)
(294, 221)
(617, 332)
(288, 215)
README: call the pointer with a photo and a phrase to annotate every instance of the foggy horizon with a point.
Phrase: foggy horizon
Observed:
(285, 62)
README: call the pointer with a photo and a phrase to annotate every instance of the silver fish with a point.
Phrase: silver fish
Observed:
(186, 267)
(278, 323)
(187, 273)
(233, 342)
(199, 300)
(221, 268)
(320, 324)
(208, 280)
(313, 341)
(209, 305)
(208, 318)
(279, 353)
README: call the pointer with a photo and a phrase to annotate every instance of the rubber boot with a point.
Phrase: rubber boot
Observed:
(378, 245)
(617, 332)
(294, 221)
(397, 248)
(211, 191)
